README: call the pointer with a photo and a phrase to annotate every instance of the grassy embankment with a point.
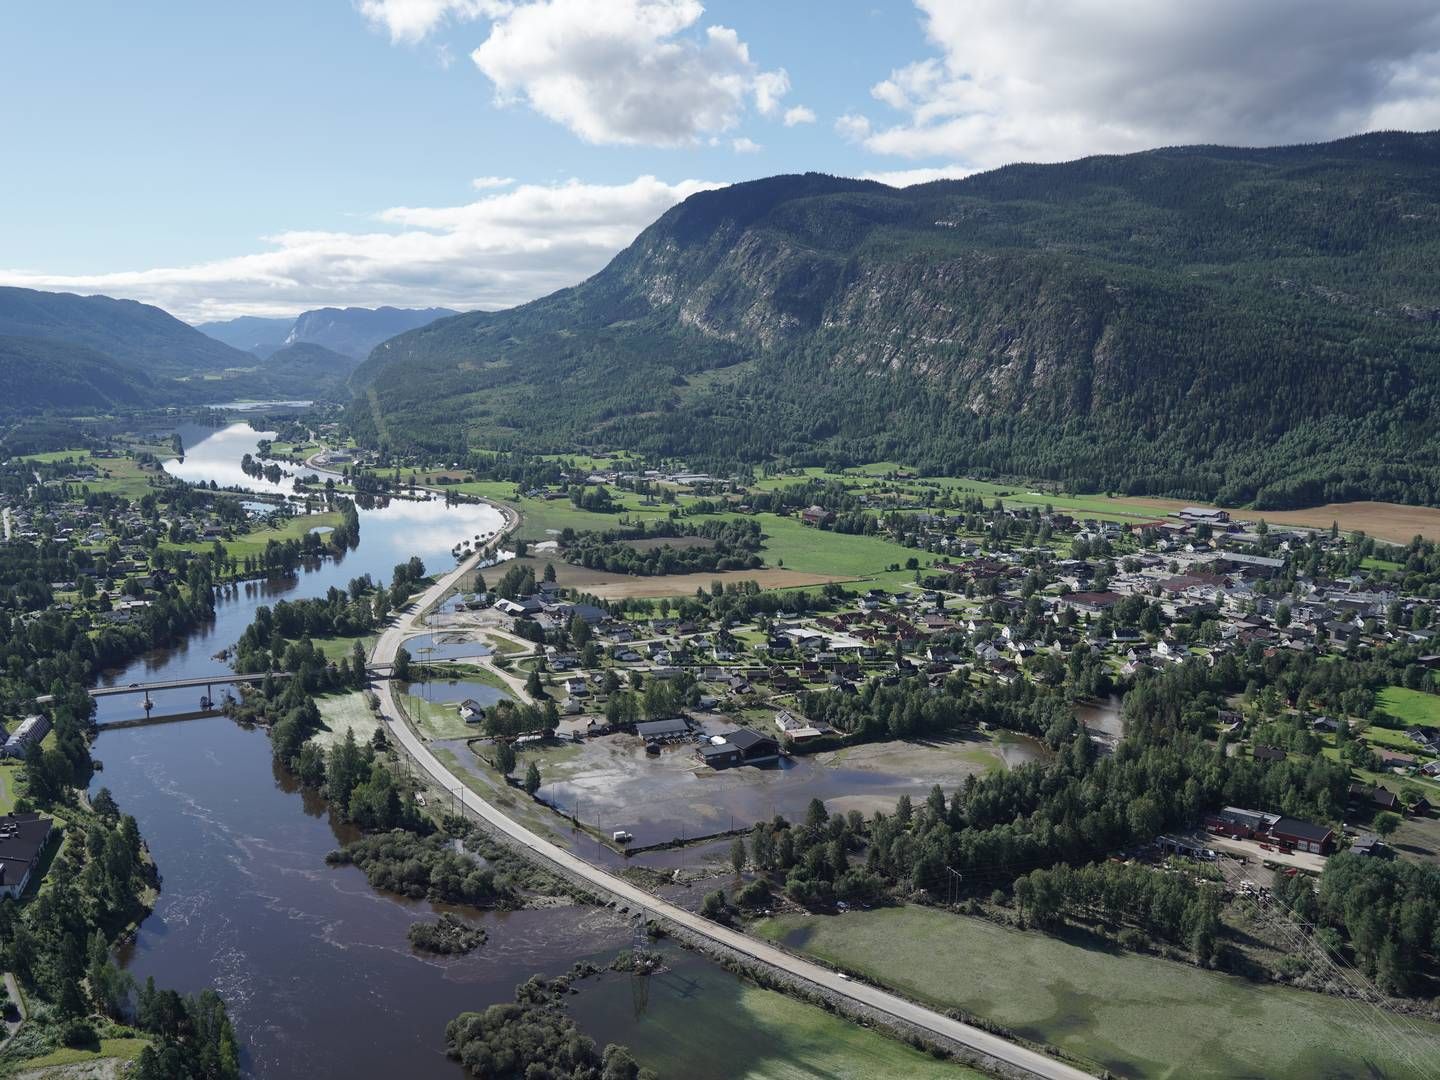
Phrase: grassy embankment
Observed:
(1138, 1016)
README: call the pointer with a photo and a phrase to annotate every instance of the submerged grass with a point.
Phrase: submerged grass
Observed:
(1138, 1016)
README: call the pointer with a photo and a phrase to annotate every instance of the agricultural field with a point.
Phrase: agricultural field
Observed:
(1138, 1016)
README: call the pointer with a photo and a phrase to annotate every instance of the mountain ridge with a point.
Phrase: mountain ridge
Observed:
(351, 331)
(1252, 324)
(140, 336)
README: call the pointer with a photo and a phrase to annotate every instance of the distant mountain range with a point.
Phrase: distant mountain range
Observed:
(348, 331)
(1244, 324)
(138, 336)
(60, 352)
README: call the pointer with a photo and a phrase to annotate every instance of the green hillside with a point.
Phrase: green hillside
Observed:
(137, 335)
(50, 376)
(1242, 324)
(307, 371)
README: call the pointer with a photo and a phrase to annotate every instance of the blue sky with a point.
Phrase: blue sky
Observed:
(265, 158)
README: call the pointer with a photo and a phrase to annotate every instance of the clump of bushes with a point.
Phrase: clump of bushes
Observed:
(446, 936)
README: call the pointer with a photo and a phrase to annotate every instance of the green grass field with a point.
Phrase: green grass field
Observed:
(9, 779)
(119, 475)
(816, 551)
(342, 713)
(1136, 1015)
(1410, 706)
(702, 1023)
(336, 648)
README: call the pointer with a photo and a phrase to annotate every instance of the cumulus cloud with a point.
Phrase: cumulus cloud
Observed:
(743, 145)
(410, 21)
(487, 183)
(1022, 80)
(800, 114)
(630, 72)
(497, 251)
(852, 126)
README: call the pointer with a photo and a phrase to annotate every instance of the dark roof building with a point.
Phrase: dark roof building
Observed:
(22, 839)
(675, 728)
(752, 745)
(1304, 835)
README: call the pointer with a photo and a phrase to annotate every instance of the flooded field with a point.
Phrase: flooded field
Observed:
(611, 783)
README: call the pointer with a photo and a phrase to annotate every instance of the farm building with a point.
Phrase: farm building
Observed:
(663, 730)
(740, 747)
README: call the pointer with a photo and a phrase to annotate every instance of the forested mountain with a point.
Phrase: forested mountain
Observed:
(254, 333)
(307, 371)
(138, 336)
(47, 375)
(348, 331)
(1243, 324)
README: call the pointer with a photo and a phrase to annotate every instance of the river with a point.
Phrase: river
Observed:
(313, 963)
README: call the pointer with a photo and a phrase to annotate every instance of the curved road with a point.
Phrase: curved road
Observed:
(996, 1047)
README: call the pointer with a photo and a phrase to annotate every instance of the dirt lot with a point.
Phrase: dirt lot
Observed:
(1385, 521)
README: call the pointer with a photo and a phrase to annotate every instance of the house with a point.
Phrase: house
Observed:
(1090, 603)
(1393, 760)
(798, 729)
(1268, 753)
(814, 515)
(22, 840)
(1377, 797)
(471, 711)
(1369, 845)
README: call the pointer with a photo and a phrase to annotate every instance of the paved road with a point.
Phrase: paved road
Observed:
(927, 1019)
(174, 684)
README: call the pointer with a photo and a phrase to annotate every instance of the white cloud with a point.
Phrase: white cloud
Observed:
(852, 126)
(632, 72)
(488, 183)
(410, 21)
(743, 145)
(906, 177)
(770, 87)
(1043, 82)
(800, 114)
(500, 250)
